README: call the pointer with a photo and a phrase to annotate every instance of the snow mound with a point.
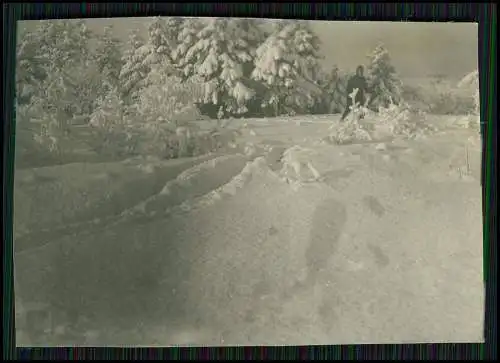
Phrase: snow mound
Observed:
(298, 165)
(193, 172)
(187, 201)
(238, 182)
(190, 184)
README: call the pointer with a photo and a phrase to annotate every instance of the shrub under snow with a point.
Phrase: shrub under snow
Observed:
(394, 120)
(163, 122)
(351, 130)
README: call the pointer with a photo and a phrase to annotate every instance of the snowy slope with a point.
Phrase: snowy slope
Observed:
(296, 242)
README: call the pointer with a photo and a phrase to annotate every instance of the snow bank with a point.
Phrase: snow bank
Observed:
(190, 185)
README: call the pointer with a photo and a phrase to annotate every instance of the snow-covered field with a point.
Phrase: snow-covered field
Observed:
(289, 240)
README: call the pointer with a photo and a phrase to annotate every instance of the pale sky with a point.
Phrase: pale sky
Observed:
(417, 49)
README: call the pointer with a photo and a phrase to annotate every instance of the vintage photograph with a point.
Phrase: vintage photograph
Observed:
(235, 181)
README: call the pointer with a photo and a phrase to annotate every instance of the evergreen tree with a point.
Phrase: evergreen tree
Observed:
(135, 67)
(285, 62)
(52, 48)
(382, 79)
(173, 26)
(218, 58)
(158, 44)
(108, 58)
(30, 69)
(62, 59)
(186, 39)
(160, 47)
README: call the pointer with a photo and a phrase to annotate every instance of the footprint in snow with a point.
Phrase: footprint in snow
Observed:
(374, 205)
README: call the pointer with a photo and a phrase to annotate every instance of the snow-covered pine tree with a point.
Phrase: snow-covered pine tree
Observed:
(277, 25)
(135, 68)
(83, 82)
(173, 26)
(255, 36)
(186, 39)
(108, 58)
(30, 69)
(63, 57)
(217, 59)
(382, 79)
(163, 94)
(285, 62)
(53, 46)
(160, 43)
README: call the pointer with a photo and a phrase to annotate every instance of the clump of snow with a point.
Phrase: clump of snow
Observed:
(250, 149)
(298, 164)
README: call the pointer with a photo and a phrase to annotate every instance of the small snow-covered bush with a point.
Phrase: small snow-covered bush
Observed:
(398, 120)
(162, 123)
(393, 120)
(407, 123)
(351, 129)
(167, 101)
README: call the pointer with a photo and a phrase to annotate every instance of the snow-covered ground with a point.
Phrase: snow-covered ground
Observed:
(289, 240)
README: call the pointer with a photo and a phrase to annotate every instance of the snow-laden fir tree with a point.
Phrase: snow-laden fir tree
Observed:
(161, 43)
(67, 86)
(186, 39)
(30, 67)
(173, 26)
(108, 58)
(286, 63)
(135, 67)
(255, 35)
(53, 46)
(63, 41)
(164, 94)
(63, 55)
(385, 86)
(218, 58)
